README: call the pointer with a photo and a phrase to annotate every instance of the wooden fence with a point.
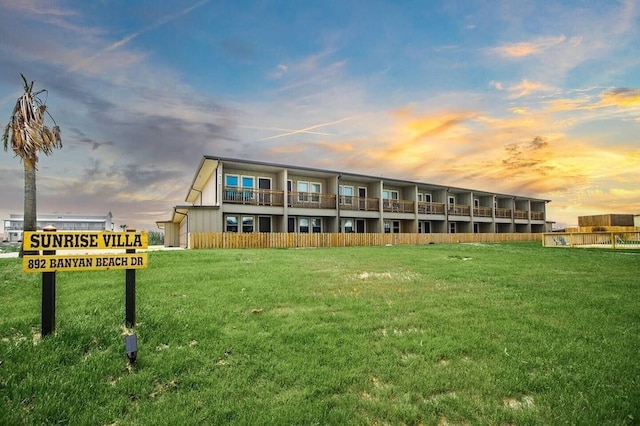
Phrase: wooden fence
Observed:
(202, 240)
(593, 239)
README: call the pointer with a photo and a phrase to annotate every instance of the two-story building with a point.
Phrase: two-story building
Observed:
(232, 195)
(13, 226)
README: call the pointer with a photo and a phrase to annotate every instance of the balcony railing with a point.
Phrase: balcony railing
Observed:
(397, 206)
(535, 215)
(521, 214)
(482, 211)
(312, 200)
(265, 197)
(459, 210)
(425, 207)
(258, 197)
(503, 213)
(359, 203)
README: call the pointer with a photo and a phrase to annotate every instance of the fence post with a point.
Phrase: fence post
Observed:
(48, 294)
(130, 292)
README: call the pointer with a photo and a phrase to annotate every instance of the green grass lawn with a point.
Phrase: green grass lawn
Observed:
(464, 334)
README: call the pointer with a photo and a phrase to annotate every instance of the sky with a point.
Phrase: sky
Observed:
(531, 98)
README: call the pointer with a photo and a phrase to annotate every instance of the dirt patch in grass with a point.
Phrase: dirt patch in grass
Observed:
(525, 402)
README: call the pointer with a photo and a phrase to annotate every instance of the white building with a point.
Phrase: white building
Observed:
(13, 226)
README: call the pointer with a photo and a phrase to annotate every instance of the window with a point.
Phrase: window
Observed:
(247, 186)
(232, 224)
(307, 225)
(303, 225)
(231, 180)
(346, 226)
(391, 227)
(315, 190)
(389, 194)
(309, 191)
(247, 181)
(346, 193)
(247, 223)
(303, 191)
(231, 183)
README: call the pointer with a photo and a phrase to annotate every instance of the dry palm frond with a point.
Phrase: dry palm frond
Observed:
(26, 129)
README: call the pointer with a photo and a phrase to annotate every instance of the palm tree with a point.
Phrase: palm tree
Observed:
(29, 135)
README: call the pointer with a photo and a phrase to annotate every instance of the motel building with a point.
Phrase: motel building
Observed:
(13, 226)
(232, 195)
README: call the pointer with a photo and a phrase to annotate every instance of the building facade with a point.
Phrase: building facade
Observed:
(13, 226)
(231, 195)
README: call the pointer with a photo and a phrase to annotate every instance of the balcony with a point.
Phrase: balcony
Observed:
(503, 213)
(430, 208)
(521, 214)
(359, 203)
(535, 215)
(482, 211)
(256, 197)
(459, 210)
(397, 206)
(264, 197)
(312, 200)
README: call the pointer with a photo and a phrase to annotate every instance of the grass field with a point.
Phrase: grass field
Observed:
(459, 334)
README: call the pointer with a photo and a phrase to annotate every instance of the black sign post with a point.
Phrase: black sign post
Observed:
(48, 294)
(130, 292)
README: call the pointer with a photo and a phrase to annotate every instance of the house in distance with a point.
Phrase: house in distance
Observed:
(243, 196)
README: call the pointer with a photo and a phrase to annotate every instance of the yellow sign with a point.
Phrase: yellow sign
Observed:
(64, 240)
(94, 262)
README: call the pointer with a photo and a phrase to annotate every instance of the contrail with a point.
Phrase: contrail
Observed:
(306, 129)
(130, 37)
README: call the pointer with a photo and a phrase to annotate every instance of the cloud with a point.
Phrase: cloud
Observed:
(621, 98)
(529, 48)
(524, 88)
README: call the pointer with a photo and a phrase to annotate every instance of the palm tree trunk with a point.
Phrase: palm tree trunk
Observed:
(30, 216)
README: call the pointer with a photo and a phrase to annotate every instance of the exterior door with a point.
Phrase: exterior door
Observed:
(362, 195)
(264, 196)
(360, 226)
(264, 224)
